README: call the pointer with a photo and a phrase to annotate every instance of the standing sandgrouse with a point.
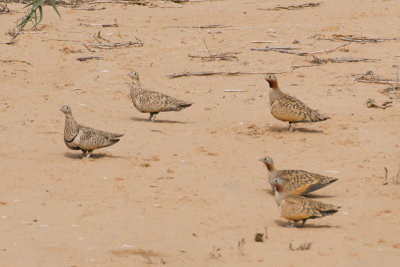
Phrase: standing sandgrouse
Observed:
(296, 182)
(297, 208)
(153, 102)
(288, 108)
(84, 138)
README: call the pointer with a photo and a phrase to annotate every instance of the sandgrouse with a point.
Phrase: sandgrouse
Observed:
(287, 108)
(84, 138)
(296, 182)
(153, 102)
(297, 208)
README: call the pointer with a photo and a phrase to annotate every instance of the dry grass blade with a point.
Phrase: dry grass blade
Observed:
(356, 39)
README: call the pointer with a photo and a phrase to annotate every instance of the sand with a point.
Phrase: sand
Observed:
(188, 189)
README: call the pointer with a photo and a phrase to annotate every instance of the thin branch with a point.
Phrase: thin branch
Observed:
(89, 57)
(209, 73)
(370, 77)
(288, 50)
(293, 7)
(15, 61)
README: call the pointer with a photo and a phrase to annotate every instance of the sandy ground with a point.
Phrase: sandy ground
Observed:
(184, 191)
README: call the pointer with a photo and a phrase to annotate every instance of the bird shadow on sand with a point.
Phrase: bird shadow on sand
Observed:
(288, 224)
(158, 121)
(278, 129)
(93, 156)
(311, 195)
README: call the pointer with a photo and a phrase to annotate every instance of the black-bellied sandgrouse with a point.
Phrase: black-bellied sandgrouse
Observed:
(297, 208)
(153, 102)
(288, 108)
(84, 138)
(296, 182)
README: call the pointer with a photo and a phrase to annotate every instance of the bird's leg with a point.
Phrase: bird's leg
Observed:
(290, 127)
(152, 116)
(302, 223)
(89, 153)
(84, 152)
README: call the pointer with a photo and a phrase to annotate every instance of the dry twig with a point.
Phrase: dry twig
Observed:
(209, 73)
(297, 7)
(89, 57)
(115, 24)
(304, 246)
(357, 39)
(370, 77)
(372, 104)
(289, 50)
(15, 61)
(3, 8)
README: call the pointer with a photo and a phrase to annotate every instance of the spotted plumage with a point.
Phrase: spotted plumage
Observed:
(288, 108)
(297, 208)
(296, 182)
(153, 102)
(84, 138)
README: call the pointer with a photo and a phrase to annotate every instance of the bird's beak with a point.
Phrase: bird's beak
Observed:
(262, 159)
(60, 109)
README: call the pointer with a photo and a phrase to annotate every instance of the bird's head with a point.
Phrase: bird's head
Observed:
(66, 109)
(134, 76)
(272, 81)
(268, 162)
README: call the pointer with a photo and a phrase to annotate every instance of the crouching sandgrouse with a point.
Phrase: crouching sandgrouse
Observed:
(84, 138)
(297, 208)
(153, 102)
(288, 108)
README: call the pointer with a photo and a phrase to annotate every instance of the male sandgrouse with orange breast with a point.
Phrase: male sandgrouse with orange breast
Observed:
(84, 138)
(296, 182)
(288, 108)
(297, 208)
(153, 102)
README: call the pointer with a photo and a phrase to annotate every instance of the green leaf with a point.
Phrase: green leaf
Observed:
(55, 7)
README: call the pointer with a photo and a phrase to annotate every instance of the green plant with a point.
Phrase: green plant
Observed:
(35, 13)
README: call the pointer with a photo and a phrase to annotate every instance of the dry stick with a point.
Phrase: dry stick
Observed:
(208, 73)
(369, 77)
(141, 3)
(288, 50)
(4, 8)
(88, 8)
(293, 7)
(386, 180)
(16, 61)
(397, 77)
(115, 24)
(262, 42)
(89, 57)
(211, 26)
(358, 39)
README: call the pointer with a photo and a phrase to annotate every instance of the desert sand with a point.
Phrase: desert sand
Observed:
(188, 190)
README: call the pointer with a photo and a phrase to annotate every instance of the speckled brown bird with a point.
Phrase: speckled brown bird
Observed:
(153, 102)
(296, 182)
(297, 208)
(288, 108)
(84, 138)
